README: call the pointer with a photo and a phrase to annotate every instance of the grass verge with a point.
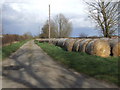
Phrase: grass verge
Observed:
(7, 50)
(101, 68)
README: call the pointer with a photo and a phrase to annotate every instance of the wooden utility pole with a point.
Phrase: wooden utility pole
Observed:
(49, 23)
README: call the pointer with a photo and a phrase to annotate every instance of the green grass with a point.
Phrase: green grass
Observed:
(101, 68)
(7, 50)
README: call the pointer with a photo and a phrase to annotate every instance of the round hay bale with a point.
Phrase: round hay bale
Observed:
(115, 47)
(98, 48)
(69, 44)
(46, 40)
(54, 41)
(83, 44)
(37, 39)
(50, 41)
(41, 40)
(61, 42)
(76, 45)
(105, 39)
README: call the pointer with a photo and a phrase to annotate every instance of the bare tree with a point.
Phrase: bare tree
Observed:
(63, 26)
(45, 30)
(105, 15)
(83, 35)
(28, 35)
(59, 27)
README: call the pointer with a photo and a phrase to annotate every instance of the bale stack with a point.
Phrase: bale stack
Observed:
(83, 44)
(115, 47)
(76, 45)
(69, 44)
(98, 48)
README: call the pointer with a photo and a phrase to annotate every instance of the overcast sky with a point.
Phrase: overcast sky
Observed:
(20, 16)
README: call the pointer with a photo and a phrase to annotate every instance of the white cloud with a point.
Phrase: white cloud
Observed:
(39, 9)
(28, 12)
(81, 22)
(15, 7)
(57, 6)
(2, 1)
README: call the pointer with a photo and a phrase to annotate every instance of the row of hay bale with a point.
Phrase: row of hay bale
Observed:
(103, 47)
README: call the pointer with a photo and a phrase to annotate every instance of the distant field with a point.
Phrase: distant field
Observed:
(101, 68)
(7, 50)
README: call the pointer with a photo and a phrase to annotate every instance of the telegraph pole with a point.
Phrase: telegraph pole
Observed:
(49, 22)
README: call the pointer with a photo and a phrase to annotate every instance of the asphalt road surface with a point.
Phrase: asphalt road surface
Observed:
(31, 67)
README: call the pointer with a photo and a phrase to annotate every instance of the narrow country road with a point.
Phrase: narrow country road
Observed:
(30, 67)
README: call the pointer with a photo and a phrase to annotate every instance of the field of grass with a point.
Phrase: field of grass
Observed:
(7, 50)
(101, 68)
